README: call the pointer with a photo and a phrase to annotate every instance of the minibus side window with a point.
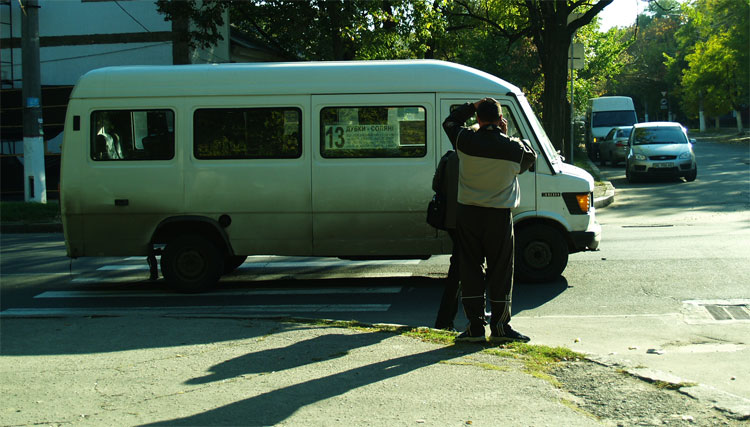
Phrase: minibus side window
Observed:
(132, 135)
(247, 133)
(513, 131)
(373, 132)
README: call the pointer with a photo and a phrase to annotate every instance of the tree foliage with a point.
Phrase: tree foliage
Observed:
(695, 51)
(716, 63)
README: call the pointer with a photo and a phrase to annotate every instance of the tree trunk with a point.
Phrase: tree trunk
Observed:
(738, 114)
(552, 43)
(552, 34)
(554, 100)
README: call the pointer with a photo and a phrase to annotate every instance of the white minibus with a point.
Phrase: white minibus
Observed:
(602, 115)
(207, 164)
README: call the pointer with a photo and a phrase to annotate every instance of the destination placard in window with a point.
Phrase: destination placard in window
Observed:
(361, 137)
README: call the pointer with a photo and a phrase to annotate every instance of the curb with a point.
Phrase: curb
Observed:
(607, 199)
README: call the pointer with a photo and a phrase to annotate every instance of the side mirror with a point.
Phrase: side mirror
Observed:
(692, 140)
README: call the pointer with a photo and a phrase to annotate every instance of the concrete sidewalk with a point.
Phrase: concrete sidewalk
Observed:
(171, 370)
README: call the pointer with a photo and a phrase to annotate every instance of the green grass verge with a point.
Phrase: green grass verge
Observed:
(580, 159)
(538, 360)
(29, 212)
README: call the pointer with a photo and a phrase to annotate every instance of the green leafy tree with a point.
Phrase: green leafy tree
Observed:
(716, 71)
(606, 60)
(550, 25)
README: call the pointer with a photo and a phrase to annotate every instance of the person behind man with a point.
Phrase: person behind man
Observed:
(446, 181)
(489, 162)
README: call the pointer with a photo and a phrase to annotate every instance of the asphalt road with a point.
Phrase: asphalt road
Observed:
(667, 290)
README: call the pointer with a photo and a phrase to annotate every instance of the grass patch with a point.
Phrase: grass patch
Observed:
(486, 366)
(436, 336)
(538, 360)
(349, 324)
(30, 212)
(581, 160)
(663, 385)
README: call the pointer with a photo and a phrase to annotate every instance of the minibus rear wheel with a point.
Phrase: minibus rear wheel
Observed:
(191, 263)
(541, 253)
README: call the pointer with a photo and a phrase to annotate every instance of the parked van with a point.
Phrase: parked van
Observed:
(602, 115)
(207, 164)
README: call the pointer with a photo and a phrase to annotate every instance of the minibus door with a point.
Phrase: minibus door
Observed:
(373, 161)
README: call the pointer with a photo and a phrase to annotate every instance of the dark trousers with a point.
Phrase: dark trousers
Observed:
(486, 234)
(449, 303)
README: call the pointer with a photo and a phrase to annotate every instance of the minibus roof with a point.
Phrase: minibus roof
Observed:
(608, 103)
(290, 78)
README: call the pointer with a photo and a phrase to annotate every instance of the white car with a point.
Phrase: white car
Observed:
(660, 149)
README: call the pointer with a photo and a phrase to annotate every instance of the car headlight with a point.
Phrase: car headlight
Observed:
(640, 157)
(685, 155)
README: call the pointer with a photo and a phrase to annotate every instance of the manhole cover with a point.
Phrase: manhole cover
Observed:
(717, 311)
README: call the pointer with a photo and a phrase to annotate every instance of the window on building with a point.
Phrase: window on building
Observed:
(132, 135)
(247, 133)
(363, 132)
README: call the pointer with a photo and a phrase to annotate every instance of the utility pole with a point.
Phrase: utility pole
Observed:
(35, 182)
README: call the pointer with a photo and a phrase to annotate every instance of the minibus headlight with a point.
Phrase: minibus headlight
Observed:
(584, 202)
(578, 203)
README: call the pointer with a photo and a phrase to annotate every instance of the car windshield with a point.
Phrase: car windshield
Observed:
(664, 135)
(613, 118)
(624, 133)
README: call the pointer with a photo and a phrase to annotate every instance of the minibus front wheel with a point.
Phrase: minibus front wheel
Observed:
(541, 253)
(191, 263)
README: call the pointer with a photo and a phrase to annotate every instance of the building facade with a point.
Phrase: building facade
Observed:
(77, 36)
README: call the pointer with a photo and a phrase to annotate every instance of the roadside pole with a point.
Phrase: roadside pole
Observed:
(35, 183)
(575, 60)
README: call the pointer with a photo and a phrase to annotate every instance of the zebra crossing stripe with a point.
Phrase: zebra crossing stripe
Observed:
(275, 310)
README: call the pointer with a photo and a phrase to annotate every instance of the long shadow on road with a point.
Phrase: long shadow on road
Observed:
(276, 405)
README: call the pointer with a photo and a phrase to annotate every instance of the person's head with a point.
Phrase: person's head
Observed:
(489, 112)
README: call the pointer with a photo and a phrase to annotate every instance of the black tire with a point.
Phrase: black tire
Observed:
(191, 263)
(691, 177)
(590, 152)
(541, 254)
(232, 262)
(629, 176)
(602, 160)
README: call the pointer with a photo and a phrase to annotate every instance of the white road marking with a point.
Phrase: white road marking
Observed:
(279, 264)
(259, 277)
(248, 292)
(276, 310)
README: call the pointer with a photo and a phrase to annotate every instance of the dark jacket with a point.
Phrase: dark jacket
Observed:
(489, 162)
(445, 181)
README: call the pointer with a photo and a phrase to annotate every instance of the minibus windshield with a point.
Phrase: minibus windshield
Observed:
(613, 118)
(538, 129)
